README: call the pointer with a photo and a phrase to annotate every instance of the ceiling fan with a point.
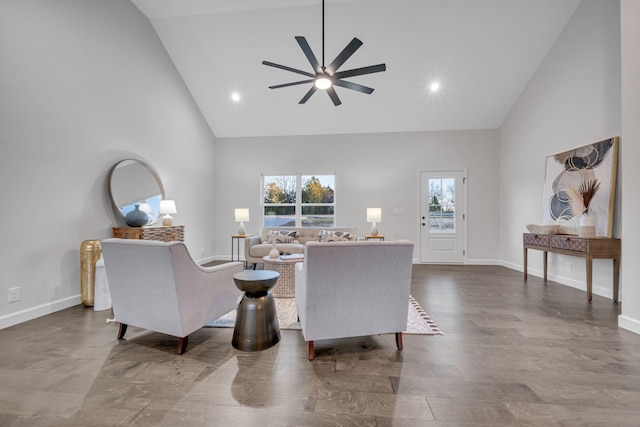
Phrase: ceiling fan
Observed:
(325, 78)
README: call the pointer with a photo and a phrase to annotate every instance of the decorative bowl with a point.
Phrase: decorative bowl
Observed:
(543, 229)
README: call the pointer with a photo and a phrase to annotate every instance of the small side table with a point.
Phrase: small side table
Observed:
(237, 237)
(286, 266)
(370, 237)
(256, 325)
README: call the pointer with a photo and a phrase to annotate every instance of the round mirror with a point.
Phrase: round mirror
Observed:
(133, 182)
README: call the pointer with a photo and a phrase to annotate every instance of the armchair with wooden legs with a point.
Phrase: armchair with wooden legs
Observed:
(351, 289)
(158, 286)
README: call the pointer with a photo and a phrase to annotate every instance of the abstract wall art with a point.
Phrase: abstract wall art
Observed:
(569, 173)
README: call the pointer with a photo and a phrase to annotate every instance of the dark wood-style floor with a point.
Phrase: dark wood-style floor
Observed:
(513, 354)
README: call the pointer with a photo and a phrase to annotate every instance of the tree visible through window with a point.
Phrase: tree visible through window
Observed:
(298, 200)
(441, 205)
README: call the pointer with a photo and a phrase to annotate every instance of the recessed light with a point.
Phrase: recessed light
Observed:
(235, 96)
(434, 86)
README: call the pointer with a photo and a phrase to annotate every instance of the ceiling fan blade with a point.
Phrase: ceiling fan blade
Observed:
(360, 71)
(353, 86)
(309, 53)
(306, 97)
(284, 67)
(301, 82)
(334, 96)
(344, 55)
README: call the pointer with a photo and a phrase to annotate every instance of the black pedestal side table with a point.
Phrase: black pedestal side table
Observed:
(256, 320)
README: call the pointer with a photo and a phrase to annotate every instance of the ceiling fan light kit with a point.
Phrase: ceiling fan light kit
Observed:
(325, 78)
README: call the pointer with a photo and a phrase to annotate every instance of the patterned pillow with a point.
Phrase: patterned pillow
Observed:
(334, 236)
(342, 235)
(283, 236)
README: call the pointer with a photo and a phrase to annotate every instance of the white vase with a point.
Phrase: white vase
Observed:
(274, 253)
(587, 225)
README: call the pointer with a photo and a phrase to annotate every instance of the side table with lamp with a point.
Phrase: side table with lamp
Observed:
(241, 215)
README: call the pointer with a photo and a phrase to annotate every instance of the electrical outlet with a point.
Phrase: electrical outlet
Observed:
(398, 211)
(567, 266)
(14, 294)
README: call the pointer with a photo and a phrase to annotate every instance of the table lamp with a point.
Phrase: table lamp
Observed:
(374, 215)
(242, 215)
(167, 207)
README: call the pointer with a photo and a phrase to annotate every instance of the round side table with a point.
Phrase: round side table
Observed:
(286, 266)
(256, 325)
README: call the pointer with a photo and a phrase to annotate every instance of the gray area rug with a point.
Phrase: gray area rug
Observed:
(418, 322)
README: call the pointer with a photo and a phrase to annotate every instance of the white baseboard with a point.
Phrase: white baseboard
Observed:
(629, 323)
(510, 265)
(577, 284)
(39, 311)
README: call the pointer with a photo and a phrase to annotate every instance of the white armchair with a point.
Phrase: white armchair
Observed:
(350, 289)
(158, 286)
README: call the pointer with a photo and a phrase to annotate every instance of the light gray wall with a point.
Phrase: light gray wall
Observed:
(572, 100)
(85, 84)
(629, 152)
(372, 170)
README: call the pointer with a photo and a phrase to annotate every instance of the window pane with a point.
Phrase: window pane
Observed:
(279, 189)
(317, 188)
(448, 190)
(441, 205)
(317, 216)
(279, 216)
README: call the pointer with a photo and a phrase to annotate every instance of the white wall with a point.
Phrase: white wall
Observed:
(572, 100)
(372, 170)
(85, 84)
(629, 151)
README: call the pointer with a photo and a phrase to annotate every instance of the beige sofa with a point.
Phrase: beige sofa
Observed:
(256, 247)
(351, 289)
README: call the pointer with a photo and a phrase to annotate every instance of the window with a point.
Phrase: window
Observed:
(298, 200)
(441, 205)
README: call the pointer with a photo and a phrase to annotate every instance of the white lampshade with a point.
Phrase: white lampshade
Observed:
(242, 214)
(374, 215)
(167, 207)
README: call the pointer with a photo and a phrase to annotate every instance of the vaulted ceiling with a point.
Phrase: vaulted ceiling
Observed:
(483, 53)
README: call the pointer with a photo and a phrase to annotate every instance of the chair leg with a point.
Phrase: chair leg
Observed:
(182, 344)
(399, 340)
(310, 350)
(254, 265)
(122, 329)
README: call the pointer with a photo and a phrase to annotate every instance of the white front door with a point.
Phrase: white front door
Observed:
(442, 217)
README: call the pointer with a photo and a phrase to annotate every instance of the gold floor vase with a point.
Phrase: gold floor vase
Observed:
(90, 251)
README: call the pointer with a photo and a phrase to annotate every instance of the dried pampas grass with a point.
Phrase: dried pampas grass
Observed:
(580, 198)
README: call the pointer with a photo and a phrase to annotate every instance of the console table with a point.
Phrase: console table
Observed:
(165, 234)
(585, 247)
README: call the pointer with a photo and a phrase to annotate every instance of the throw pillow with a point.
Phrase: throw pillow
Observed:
(343, 235)
(334, 236)
(283, 236)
